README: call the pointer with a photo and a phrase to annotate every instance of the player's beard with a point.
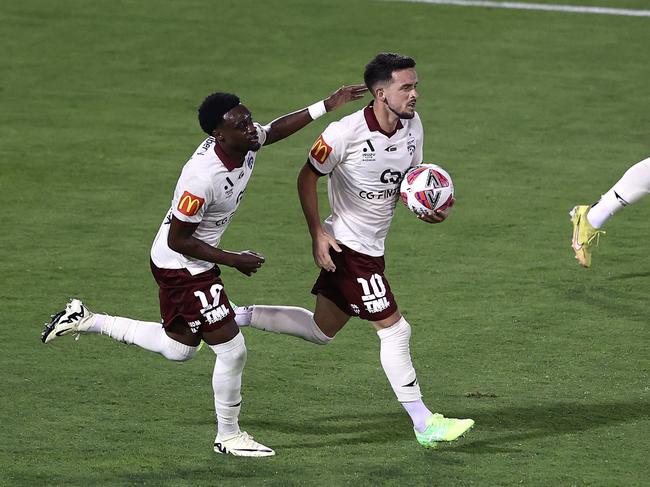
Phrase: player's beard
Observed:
(405, 115)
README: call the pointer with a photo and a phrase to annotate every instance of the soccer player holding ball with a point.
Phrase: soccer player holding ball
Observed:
(364, 156)
(185, 258)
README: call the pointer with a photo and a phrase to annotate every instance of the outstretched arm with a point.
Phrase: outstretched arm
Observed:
(286, 125)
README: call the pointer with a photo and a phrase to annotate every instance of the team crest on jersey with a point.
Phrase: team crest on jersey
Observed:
(410, 145)
(189, 204)
(320, 151)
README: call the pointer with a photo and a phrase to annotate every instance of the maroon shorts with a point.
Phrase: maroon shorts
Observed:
(358, 286)
(200, 301)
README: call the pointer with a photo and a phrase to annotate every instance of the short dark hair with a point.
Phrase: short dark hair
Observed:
(213, 108)
(382, 66)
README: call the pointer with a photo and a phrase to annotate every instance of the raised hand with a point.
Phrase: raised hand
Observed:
(344, 95)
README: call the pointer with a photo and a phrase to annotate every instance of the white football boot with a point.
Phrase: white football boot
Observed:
(75, 318)
(241, 445)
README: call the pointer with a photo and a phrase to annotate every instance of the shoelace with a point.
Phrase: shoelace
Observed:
(596, 236)
(248, 438)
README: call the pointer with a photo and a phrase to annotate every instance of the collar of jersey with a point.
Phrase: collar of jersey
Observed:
(373, 123)
(225, 159)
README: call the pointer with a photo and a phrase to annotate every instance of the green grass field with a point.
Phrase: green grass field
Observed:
(531, 112)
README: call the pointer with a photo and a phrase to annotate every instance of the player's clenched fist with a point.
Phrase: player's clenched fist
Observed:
(247, 262)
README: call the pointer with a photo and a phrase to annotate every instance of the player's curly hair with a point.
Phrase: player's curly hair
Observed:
(381, 68)
(213, 108)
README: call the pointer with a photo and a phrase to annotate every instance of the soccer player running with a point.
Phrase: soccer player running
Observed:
(587, 221)
(364, 156)
(185, 258)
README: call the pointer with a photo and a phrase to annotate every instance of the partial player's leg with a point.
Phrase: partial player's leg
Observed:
(329, 316)
(358, 286)
(394, 333)
(228, 344)
(76, 319)
(634, 185)
(331, 313)
(288, 320)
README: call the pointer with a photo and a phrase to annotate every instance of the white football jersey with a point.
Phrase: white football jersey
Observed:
(208, 192)
(365, 167)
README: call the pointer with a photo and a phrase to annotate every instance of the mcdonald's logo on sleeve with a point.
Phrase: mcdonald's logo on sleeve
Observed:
(320, 150)
(189, 204)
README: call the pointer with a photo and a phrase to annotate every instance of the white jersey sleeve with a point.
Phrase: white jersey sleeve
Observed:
(192, 196)
(329, 149)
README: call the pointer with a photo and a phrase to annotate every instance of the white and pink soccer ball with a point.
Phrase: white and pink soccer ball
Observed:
(427, 188)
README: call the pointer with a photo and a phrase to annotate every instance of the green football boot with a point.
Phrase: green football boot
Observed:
(440, 428)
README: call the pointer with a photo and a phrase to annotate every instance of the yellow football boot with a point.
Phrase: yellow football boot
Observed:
(584, 235)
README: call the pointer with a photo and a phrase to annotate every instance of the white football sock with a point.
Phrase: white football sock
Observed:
(147, 335)
(289, 320)
(418, 413)
(226, 383)
(243, 315)
(634, 185)
(395, 356)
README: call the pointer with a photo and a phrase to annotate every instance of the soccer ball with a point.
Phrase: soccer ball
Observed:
(427, 188)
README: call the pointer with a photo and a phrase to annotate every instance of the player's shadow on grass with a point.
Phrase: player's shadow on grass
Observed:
(515, 424)
(610, 299)
(499, 429)
(333, 430)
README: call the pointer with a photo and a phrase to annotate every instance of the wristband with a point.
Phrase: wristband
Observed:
(317, 110)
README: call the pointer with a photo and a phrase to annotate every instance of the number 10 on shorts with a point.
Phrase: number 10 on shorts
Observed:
(374, 293)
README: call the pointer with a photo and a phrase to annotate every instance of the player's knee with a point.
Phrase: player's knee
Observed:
(239, 354)
(231, 354)
(320, 335)
(183, 356)
(399, 332)
(176, 351)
